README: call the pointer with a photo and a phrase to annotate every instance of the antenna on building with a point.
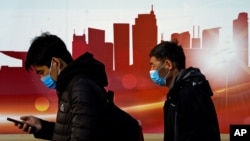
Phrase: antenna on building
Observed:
(193, 31)
(162, 37)
(152, 9)
(198, 31)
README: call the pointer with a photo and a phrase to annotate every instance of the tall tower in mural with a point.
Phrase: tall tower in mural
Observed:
(240, 31)
(79, 45)
(182, 38)
(210, 37)
(121, 46)
(240, 35)
(102, 50)
(196, 41)
(144, 36)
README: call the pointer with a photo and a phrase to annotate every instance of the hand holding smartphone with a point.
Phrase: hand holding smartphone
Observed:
(20, 124)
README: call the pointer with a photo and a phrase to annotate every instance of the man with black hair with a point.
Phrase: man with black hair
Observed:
(82, 104)
(189, 112)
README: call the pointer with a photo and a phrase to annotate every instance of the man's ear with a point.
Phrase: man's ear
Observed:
(59, 63)
(168, 64)
(55, 61)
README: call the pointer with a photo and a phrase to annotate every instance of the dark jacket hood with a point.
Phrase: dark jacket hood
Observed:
(190, 74)
(86, 66)
(194, 76)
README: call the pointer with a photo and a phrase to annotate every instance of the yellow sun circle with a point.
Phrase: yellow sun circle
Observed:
(41, 104)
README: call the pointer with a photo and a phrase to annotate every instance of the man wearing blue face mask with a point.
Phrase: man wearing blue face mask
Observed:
(189, 112)
(79, 85)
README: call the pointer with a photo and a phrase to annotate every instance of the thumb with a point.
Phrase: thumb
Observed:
(25, 118)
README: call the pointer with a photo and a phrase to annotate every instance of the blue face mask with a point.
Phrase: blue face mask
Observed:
(154, 75)
(48, 80)
(156, 78)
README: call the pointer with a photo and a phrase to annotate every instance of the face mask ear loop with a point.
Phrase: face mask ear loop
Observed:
(167, 74)
(59, 71)
(160, 68)
(50, 68)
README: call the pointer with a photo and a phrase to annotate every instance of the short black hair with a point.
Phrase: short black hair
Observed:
(170, 50)
(43, 48)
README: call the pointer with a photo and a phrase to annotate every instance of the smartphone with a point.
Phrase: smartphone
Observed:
(18, 122)
(21, 124)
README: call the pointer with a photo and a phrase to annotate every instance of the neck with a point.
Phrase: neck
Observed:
(172, 79)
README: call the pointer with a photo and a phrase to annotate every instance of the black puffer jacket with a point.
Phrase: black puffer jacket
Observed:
(189, 112)
(82, 104)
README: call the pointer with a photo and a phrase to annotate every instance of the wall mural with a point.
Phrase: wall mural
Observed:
(215, 40)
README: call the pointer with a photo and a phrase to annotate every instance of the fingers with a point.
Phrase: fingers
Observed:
(28, 119)
(28, 124)
(28, 128)
(32, 129)
(19, 125)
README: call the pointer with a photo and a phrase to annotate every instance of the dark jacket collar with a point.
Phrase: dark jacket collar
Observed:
(86, 66)
(190, 74)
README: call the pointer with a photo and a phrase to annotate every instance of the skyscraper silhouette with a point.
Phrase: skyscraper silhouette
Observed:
(144, 37)
(210, 37)
(79, 45)
(240, 31)
(196, 41)
(240, 36)
(102, 51)
(121, 46)
(182, 38)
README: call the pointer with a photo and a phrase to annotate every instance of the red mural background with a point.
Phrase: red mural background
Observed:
(225, 66)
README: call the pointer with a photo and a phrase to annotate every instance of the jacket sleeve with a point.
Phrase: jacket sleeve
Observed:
(47, 130)
(86, 111)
